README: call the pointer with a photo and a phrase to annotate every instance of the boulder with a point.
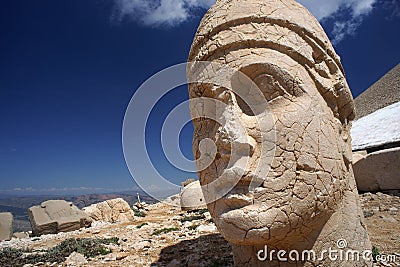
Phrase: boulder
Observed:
(21, 235)
(55, 216)
(113, 210)
(377, 171)
(359, 155)
(173, 200)
(75, 259)
(191, 197)
(6, 226)
(207, 228)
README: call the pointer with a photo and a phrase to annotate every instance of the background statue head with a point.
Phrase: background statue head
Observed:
(308, 193)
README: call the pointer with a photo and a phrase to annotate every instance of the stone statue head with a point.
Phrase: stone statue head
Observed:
(284, 52)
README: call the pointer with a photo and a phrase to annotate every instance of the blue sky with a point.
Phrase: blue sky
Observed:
(68, 70)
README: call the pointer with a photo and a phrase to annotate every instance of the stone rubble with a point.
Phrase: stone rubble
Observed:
(199, 246)
(113, 210)
(75, 260)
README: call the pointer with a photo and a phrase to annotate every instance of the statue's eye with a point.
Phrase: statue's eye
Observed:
(258, 92)
(269, 86)
(254, 89)
(244, 106)
(257, 85)
(248, 97)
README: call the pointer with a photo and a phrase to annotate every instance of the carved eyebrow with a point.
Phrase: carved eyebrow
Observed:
(286, 82)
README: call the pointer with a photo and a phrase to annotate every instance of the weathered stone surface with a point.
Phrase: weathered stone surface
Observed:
(6, 225)
(207, 228)
(55, 216)
(358, 156)
(113, 210)
(141, 244)
(188, 181)
(21, 235)
(191, 197)
(378, 171)
(75, 260)
(173, 200)
(288, 176)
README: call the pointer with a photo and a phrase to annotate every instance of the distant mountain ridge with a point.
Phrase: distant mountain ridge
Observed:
(384, 92)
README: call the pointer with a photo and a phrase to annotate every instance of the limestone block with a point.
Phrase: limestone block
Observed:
(113, 210)
(6, 226)
(358, 156)
(378, 171)
(55, 216)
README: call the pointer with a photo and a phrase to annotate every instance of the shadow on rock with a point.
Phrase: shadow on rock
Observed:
(206, 250)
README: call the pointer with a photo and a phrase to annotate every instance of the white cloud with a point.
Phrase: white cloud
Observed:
(322, 9)
(343, 28)
(157, 13)
(332, 9)
(361, 7)
(325, 9)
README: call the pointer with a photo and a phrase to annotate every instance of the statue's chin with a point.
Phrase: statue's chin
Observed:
(244, 221)
(242, 228)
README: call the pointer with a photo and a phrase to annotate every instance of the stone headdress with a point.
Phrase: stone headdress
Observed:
(281, 25)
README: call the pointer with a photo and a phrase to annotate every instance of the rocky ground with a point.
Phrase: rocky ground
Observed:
(382, 216)
(167, 236)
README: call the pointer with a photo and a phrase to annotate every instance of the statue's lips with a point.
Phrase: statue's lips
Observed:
(239, 196)
(248, 179)
(241, 193)
(238, 199)
(235, 192)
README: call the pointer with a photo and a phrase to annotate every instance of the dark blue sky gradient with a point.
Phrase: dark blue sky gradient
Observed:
(68, 71)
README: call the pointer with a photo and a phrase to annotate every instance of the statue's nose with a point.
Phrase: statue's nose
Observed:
(235, 144)
(244, 147)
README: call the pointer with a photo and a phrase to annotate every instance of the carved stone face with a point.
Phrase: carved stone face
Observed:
(297, 148)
